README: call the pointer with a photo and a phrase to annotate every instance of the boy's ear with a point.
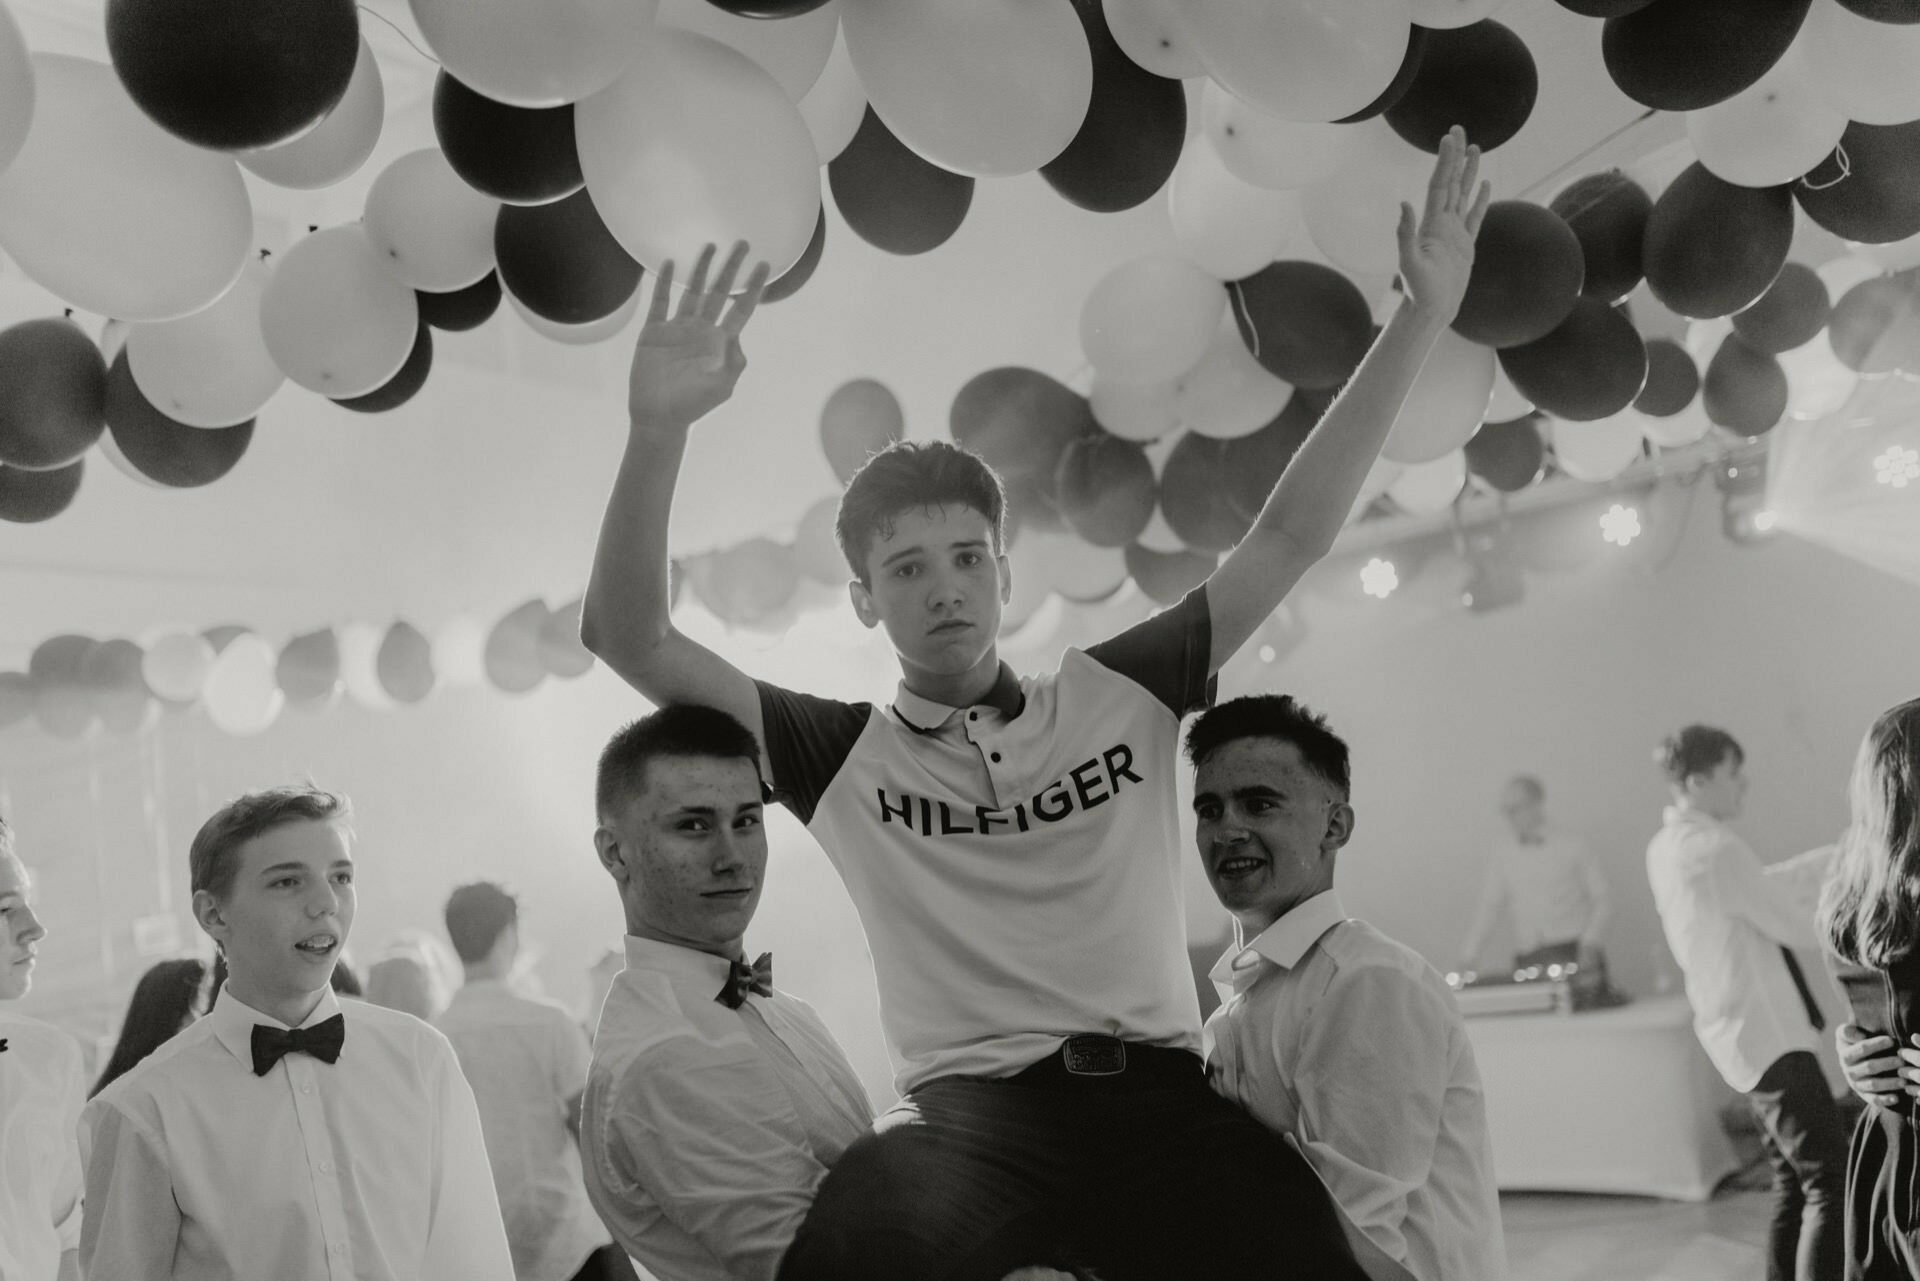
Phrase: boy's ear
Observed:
(862, 603)
(207, 914)
(607, 845)
(1006, 578)
(1340, 821)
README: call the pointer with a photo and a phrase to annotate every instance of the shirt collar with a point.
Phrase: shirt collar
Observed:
(925, 715)
(1286, 941)
(233, 1021)
(683, 966)
(1676, 816)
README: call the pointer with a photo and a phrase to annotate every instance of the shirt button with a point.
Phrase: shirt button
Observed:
(326, 1167)
(306, 1087)
(995, 758)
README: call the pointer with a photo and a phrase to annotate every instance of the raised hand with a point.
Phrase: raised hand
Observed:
(686, 364)
(1436, 254)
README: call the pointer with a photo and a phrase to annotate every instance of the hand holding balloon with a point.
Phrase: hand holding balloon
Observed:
(686, 366)
(1436, 255)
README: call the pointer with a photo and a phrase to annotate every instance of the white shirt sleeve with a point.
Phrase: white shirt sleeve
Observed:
(1769, 899)
(68, 1189)
(132, 1224)
(466, 1240)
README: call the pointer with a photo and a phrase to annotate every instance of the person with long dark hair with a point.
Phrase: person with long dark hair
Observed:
(168, 997)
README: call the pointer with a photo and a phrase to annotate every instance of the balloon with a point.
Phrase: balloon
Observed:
(1106, 489)
(1227, 393)
(860, 419)
(836, 104)
(176, 455)
(536, 55)
(1604, 8)
(1352, 218)
(1410, 64)
(1266, 150)
(816, 550)
(1817, 383)
(1230, 228)
(696, 145)
(1875, 327)
(403, 386)
(1194, 495)
(1591, 366)
(210, 369)
(404, 664)
(1508, 456)
(432, 230)
(1790, 314)
(1020, 421)
(561, 260)
(360, 666)
(1527, 275)
(1505, 403)
(1444, 14)
(61, 702)
(234, 75)
(1480, 77)
(1135, 125)
(1673, 380)
(991, 87)
(1888, 11)
(1598, 450)
(176, 666)
(579, 335)
(1134, 411)
(1863, 66)
(1871, 260)
(118, 459)
(1152, 35)
(28, 497)
(1074, 569)
(1608, 215)
(16, 89)
(801, 272)
(1744, 390)
(749, 583)
(559, 644)
(1302, 59)
(112, 213)
(111, 675)
(769, 8)
(459, 649)
(308, 669)
(1711, 247)
(522, 155)
(793, 52)
(1306, 323)
(1166, 577)
(1254, 464)
(1682, 57)
(1864, 192)
(1446, 402)
(892, 198)
(16, 688)
(241, 696)
(335, 148)
(53, 388)
(1151, 318)
(1428, 488)
(461, 309)
(1771, 132)
(336, 321)
(1685, 428)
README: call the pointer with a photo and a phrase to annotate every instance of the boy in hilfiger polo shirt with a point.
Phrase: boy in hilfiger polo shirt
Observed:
(1013, 845)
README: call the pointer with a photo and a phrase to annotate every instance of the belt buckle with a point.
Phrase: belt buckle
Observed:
(1094, 1055)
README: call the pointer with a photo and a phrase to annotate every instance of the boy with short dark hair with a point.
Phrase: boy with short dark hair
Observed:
(288, 1135)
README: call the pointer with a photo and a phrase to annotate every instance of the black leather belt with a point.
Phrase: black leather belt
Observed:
(1106, 1062)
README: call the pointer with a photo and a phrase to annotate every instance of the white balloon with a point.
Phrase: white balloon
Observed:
(1443, 14)
(1068, 564)
(1865, 69)
(1149, 320)
(430, 228)
(1229, 227)
(1771, 132)
(1446, 403)
(697, 145)
(536, 53)
(1600, 450)
(1353, 218)
(113, 337)
(359, 665)
(1677, 431)
(113, 213)
(1133, 410)
(16, 89)
(1229, 393)
(1149, 32)
(175, 665)
(1268, 150)
(580, 335)
(1817, 383)
(335, 148)
(459, 650)
(837, 103)
(792, 50)
(1430, 487)
(989, 87)
(210, 369)
(1301, 59)
(1896, 255)
(336, 320)
(242, 695)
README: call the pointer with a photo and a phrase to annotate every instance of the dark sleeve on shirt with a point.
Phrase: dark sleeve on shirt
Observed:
(1170, 654)
(808, 740)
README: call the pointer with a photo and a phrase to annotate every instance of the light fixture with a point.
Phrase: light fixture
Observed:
(1898, 467)
(1267, 654)
(1765, 520)
(1378, 578)
(1620, 524)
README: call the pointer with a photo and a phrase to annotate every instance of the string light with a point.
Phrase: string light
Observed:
(1378, 578)
(1898, 467)
(1620, 524)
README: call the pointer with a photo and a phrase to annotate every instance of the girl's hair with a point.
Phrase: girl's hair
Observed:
(1870, 908)
(168, 997)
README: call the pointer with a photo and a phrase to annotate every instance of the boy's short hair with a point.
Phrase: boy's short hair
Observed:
(6, 837)
(477, 915)
(681, 729)
(1697, 749)
(911, 474)
(214, 858)
(1274, 716)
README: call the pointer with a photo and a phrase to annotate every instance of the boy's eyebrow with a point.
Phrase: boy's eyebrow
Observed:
(1253, 789)
(957, 544)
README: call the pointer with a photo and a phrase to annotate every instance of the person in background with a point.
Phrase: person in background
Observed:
(1329, 1032)
(405, 977)
(42, 1088)
(1732, 924)
(166, 1001)
(1543, 881)
(526, 1060)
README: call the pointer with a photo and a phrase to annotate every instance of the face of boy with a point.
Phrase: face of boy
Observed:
(285, 921)
(1721, 791)
(20, 930)
(935, 584)
(1267, 827)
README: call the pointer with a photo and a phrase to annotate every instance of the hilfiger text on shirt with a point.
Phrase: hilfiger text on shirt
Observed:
(1087, 785)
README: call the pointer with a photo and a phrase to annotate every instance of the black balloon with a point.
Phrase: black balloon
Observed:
(1865, 191)
(1875, 327)
(892, 198)
(1508, 456)
(860, 419)
(767, 8)
(1604, 8)
(1417, 40)
(1480, 77)
(1105, 489)
(234, 75)
(27, 497)
(802, 270)
(403, 386)
(1254, 463)
(1165, 577)
(53, 394)
(1131, 138)
(1591, 366)
(308, 669)
(511, 656)
(1712, 248)
(1673, 380)
(1903, 11)
(522, 155)
(1527, 274)
(1608, 214)
(461, 309)
(1745, 390)
(161, 449)
(1304, 322)
(111, 674)
(1020, 421)
(404, 664)
(1791, 313)
(1194, 496)
(1682, 55)
(560, 260)
(61, 701)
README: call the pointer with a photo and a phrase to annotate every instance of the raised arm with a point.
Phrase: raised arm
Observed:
(684, 366)
(1303, 515)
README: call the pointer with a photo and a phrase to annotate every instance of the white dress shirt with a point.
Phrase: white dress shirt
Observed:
(706, 1130)
(1550, 889)
(41, 1091)
(526, 1060)
(1726, 916)
(368, 1169)
(1350, 1043)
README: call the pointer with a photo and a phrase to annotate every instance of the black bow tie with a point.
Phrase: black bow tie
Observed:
(743, 979)
(323, 1041)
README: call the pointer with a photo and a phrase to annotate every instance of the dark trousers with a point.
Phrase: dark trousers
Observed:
(966, 1179)
(608, 1263)
(1807, 1144)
